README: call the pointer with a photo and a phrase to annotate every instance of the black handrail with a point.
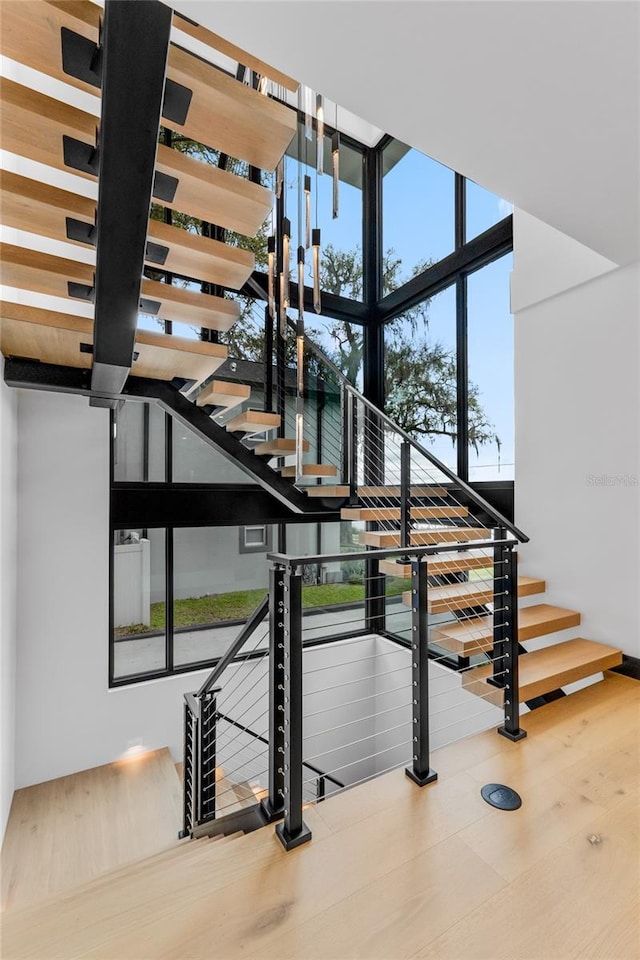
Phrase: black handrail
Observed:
(388, 553)
(479, 501)
(247, 631)
(257, 736)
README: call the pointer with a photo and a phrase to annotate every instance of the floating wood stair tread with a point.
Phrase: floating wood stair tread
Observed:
(228, 115)
(536, 621)
(395, 492)
(312, 470)
(223, 113)
(43, 209)
(394, 513)
(439, 565)
(30, 34)
(424, 538)
(223, 393)
(253, 421)
(57, 338)
(325, 490)
(233, 52)
(43, 273)
(32, 125)
(163, 358)
(459, 596)
(208, 193)
(46, 336)
(282, 447)
(542, 671)
(202, 258)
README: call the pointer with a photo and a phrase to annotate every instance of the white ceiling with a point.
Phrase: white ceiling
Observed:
(537, 100)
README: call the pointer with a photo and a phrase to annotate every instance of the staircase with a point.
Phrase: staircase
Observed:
(344, 456)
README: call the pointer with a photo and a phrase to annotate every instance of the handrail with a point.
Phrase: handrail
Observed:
(479, 501)
(247, 631)
(388, 553)
(257, 736)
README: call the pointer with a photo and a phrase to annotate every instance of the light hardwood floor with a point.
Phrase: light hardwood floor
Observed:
(394, 871)
(66, 831)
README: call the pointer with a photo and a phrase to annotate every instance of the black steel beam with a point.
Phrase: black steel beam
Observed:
(136, 505)
(43, 376)
(490, 245)
(135, 49)
(340, 308)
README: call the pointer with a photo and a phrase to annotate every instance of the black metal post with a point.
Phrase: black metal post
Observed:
(511, 729)
(188, 792)
(352, 444)
(321, 789)
(293, 831)
(208, 739)
(500, 612)
(405, 496)
(421, 773)
(273, 805)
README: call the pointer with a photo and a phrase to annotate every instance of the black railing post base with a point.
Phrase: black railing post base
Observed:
(291, 842)
(421, 779)
(519, 734)
(270, 812)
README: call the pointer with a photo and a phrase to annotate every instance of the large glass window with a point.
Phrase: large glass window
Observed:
(418, 206)
(483, 209)
(491, 388)
(420, 374)
(138, 455)
(139, 603)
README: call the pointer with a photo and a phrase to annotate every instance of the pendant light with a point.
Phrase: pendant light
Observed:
(271, 275)
(320, 134)
(335, 162)
(315, 244)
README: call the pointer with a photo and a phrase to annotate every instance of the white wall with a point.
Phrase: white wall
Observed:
(577, 439)
(8, 547)
(67, 718)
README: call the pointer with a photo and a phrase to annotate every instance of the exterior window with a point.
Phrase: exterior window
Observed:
(255, 539)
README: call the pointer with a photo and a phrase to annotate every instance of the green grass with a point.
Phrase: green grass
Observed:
(222, 607)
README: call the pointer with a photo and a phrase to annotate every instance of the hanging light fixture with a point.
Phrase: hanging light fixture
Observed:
(263, 86)
(335, 162)
(271, 275)
(284, 276)
(320, 134)
(300, 284)
(279, 178)
(307, 204)
(307, 96)
(315, 243)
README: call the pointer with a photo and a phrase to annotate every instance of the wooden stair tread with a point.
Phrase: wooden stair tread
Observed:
(459, 596)
(56, 339)
(441, 564)
(283, 446)
(40, 208)
(470, 636)
(312, 470)
(162, 357)
(32, 125)
(394, 513)
(44, 273)
(392, 491)
(223, 393)
(223, 113)
(206, 36)
(542, 671)
(253, 421)
(424, 538)
(326, 490)
(229, 116)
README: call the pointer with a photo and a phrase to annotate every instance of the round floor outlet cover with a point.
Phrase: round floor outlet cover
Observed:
(504, 798)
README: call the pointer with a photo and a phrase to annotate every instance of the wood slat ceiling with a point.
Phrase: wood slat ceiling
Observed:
(44, 273)
(52, 337)
(223, 113)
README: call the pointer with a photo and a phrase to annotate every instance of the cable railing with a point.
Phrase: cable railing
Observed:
(371, 703)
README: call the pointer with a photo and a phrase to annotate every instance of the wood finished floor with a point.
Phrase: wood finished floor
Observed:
(72, 829)
(394, 871)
